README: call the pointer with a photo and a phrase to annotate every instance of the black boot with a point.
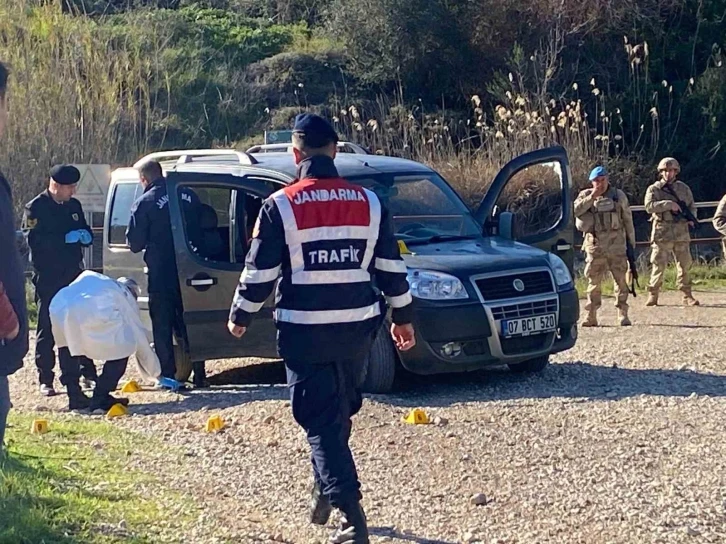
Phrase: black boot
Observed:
(353, 526)
(200, 375)
(76, 399)
(320, 507)
(106, 402)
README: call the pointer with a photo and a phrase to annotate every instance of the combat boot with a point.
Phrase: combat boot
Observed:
(591, 319)
(688, 299)
(320, 507)
(353, 526)
(623, 318)
(652, 299)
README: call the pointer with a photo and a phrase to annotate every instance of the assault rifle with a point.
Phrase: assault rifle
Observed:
(685, 211)
(633, 271)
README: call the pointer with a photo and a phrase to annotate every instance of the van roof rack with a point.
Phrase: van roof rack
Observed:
(184, 156)
(257, 148)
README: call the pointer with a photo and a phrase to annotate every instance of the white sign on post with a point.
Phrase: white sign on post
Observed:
(93, 186)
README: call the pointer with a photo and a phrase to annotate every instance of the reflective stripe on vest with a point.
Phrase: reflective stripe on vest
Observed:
(331, 230)
(328, 317)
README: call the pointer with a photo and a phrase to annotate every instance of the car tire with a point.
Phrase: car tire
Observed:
(183, 363)
(538, 364)
(380, 368)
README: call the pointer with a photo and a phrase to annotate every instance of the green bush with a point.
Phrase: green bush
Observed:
(299, 78)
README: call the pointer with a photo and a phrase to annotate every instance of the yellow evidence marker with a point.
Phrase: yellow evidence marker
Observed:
(417, 417)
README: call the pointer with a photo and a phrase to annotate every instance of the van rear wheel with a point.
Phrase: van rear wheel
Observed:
(380, 368)
(183, 363)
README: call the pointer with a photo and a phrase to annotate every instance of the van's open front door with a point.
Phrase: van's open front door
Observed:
(211, 233)
(537, 188)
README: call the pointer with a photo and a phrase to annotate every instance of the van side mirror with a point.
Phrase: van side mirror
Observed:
(505, 225)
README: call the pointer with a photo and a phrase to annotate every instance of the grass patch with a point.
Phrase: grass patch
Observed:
(703, 277)
(76, 485)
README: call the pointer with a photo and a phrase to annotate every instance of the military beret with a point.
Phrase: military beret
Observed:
(598, 172)
(65, 174)
(317, 131)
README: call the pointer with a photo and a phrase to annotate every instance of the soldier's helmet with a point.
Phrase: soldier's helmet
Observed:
(668, 162)
(131, 285)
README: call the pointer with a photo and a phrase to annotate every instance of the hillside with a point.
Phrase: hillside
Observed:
(461, 85)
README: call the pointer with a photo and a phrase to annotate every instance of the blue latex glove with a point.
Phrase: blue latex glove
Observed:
(86, 237)
(73, 237)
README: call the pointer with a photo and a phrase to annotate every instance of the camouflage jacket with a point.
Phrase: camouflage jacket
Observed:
(719, 218)
(667, 226)
(606, 221)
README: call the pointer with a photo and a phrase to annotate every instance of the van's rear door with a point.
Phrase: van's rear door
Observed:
(209, 268)
(537, 188)
(118, 260)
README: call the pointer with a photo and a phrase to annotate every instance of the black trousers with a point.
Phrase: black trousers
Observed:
(324, 397)
(111, 374)
(167, 317)
(45, 290)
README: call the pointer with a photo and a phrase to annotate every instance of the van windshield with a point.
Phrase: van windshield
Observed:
(421, 205)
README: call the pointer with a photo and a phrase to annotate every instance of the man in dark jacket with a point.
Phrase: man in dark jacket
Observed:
(57, 233)
(150, 231)
(331, 242)
(13, 316)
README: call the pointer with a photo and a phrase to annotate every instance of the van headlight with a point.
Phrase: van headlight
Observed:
(430, 285)
(562, 275)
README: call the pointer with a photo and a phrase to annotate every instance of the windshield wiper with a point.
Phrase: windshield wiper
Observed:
(441, 238)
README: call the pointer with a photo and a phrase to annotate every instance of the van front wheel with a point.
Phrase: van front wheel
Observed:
(380, 368)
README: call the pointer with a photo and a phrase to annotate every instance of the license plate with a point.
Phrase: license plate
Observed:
(529, 325)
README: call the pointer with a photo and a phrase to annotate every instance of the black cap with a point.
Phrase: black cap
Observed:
(317, 131)
(65, 174)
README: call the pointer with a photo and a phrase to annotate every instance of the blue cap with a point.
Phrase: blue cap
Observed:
(317, 131)
(597, 172)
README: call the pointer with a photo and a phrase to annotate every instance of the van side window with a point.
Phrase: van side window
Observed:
(534, 196)
(124, 196)
(207, 220)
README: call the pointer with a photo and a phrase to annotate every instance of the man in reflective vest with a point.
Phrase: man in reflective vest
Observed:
(328, 239)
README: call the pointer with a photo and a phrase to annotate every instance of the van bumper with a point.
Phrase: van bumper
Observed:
(464, 337)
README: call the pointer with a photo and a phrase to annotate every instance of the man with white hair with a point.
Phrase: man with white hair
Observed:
(97, 317)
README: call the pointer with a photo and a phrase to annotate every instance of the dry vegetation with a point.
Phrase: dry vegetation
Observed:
(75, 95)
(85, 90)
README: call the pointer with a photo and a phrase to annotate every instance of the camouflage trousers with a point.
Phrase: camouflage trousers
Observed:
(596, 268)
(659, 256)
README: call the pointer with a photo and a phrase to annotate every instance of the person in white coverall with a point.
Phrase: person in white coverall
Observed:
(97, 317)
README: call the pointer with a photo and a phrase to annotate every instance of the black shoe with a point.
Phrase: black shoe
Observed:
(105, 403)
(353, 527)
(320, 507)
(77, 400)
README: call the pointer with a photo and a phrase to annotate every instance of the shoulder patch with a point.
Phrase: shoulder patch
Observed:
(31, 222)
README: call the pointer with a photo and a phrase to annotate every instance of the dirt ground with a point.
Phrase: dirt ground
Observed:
(620, 440)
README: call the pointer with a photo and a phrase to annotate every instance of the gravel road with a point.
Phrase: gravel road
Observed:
(621, 440)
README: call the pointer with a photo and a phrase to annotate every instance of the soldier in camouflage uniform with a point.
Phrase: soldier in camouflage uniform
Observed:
(602, 213)
(719, 223)
(670, 232)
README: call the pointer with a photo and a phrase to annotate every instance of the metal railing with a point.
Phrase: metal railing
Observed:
(706, 224)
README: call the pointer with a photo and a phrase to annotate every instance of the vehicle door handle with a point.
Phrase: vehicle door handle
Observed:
(201, 282)
(562, 245)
